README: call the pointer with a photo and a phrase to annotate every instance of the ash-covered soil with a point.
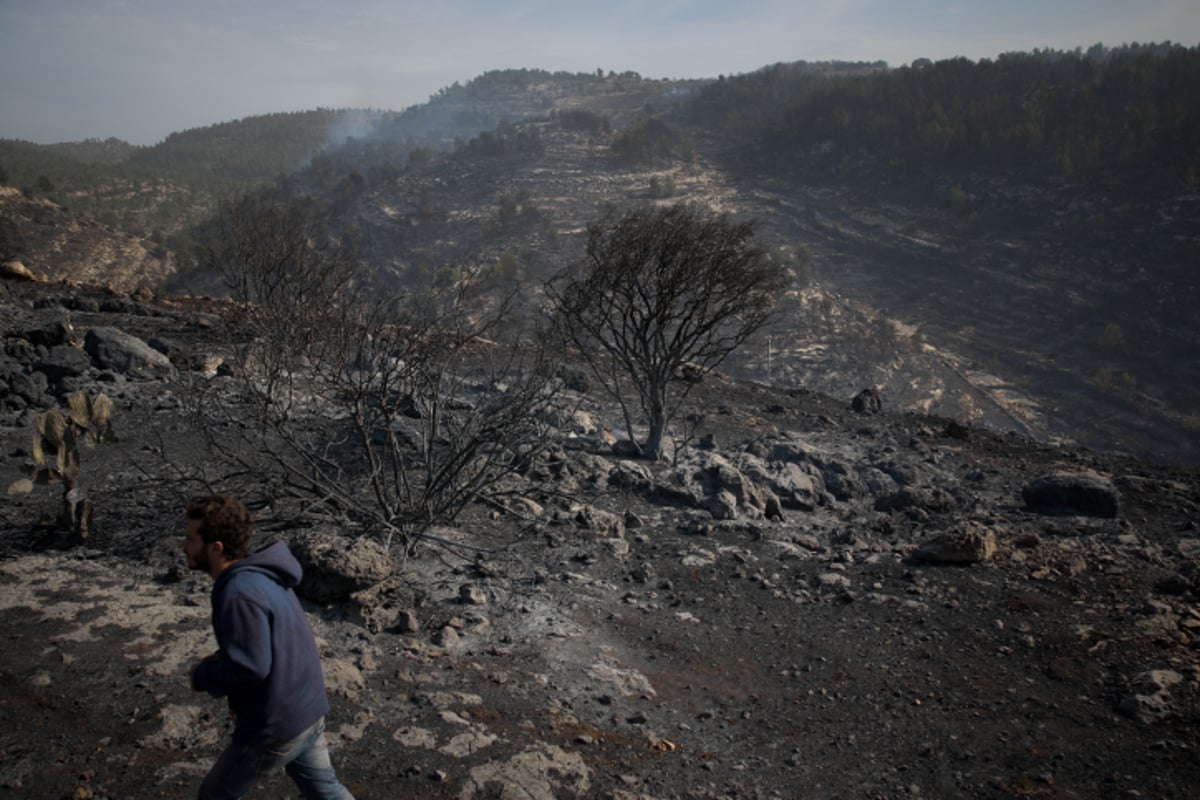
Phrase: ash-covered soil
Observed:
(623, 643)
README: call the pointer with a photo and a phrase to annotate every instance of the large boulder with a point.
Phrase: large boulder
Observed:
(114, 349)
(337, 566)
(1086, 494)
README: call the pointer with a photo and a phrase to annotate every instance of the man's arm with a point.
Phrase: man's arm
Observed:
(245, 655)
(196, 667)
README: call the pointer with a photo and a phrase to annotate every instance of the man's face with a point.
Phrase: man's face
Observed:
(194, 548)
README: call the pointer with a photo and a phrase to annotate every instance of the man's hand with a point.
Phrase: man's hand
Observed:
(196, 666)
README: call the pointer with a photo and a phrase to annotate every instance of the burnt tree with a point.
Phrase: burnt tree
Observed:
(662, 292)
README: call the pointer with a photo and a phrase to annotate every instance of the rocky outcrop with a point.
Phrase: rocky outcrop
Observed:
(712, 482)
(337, 566)
(1155, 694)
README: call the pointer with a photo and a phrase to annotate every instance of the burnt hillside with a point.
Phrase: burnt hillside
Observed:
(1008, 242)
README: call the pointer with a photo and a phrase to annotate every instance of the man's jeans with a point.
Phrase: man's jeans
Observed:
(305, 759)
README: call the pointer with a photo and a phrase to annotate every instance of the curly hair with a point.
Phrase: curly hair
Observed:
(223, 519)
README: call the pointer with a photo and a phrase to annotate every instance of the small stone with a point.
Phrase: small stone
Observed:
(408, 622)
(833, 580)
(968, 544)
(16, 271)
(447, 637)
(472, 596)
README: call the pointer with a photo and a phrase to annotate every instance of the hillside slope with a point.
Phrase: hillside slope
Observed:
(908, 624)
(1053, 311)
(59, 245)
(999, 282)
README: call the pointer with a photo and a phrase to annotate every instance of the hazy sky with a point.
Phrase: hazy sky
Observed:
(141, 69)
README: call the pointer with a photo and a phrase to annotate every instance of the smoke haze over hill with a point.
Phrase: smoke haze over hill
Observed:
(139, 71)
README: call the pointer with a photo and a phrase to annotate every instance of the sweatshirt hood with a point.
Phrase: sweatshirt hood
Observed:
(275, 560)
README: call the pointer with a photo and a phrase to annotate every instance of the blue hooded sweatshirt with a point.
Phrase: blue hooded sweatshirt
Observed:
(268, 665)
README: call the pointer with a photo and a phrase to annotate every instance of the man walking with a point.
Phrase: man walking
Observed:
(267, 664)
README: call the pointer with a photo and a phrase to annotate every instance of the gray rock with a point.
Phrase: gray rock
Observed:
(378, 608)
(112, 348)
(564, 420)
(878, 482)
(723, 505)
(843, 481)
(631, 475)
(63, 361)
(408, 622)
(31, 388)
(1085, 494)
(868, 401)
(51, 333)
(833, 580)
(337, 566)
(970, 543)
(926, 498)
(601, 523)
(447, 637)
(1152, 700)
(680, 485)
(789, 452)
(539, 772)
(794, 485)
(472, 595)
(724, 477)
